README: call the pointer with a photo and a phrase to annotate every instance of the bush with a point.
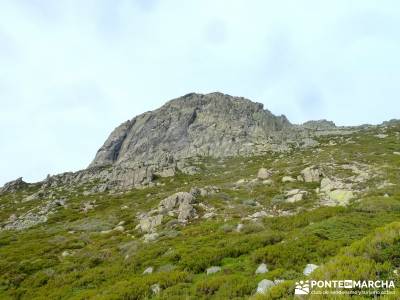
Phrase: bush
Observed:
(225, 286)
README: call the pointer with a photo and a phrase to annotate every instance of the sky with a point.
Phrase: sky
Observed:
(72, 70)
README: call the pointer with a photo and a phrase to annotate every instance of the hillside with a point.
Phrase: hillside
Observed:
(208, 197)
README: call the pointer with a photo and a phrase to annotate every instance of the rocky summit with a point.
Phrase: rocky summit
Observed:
(215, 124)
(163, 141)
(209, 197)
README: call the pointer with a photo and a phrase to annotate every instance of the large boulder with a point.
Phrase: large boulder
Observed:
(341, 197)
(311, 174)
(262, 268)
(186, 212)
(264, 285)
(263, 174)
(175, 201)
(149, 223)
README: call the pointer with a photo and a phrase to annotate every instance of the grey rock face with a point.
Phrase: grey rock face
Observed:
(207, 125)
(13, 186)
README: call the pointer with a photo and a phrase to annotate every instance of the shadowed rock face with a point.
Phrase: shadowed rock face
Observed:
(207, 125)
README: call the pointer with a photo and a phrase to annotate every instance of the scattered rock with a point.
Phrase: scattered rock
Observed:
(191, 170)
(149, 223)
(150, 237)
(182, 203)
(259, 214)
(66, 253)
(295, 195)
(332, 143)
(340, 197)
(263, 173)
(155, 288)
(34, 216)
(267, 181)
(288, 179)
(209, 215)
(241, 181)
(205, 191)
(381, 136)
(212, 270)
(239, 227)
(262, 268)
(148, 270)
(264, 285)
(32, 197)
(328, 185)
(86, 206)
(309, 269)
(311, 174)
(12, 218)
(385, 184)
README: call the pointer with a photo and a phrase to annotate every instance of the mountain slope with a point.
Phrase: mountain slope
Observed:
(220, 231)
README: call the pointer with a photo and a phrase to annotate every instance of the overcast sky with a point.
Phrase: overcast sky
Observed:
(71, 71)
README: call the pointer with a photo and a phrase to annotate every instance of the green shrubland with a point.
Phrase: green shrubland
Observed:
(76, 255)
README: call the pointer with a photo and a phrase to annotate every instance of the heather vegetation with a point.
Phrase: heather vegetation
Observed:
(91, 248)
